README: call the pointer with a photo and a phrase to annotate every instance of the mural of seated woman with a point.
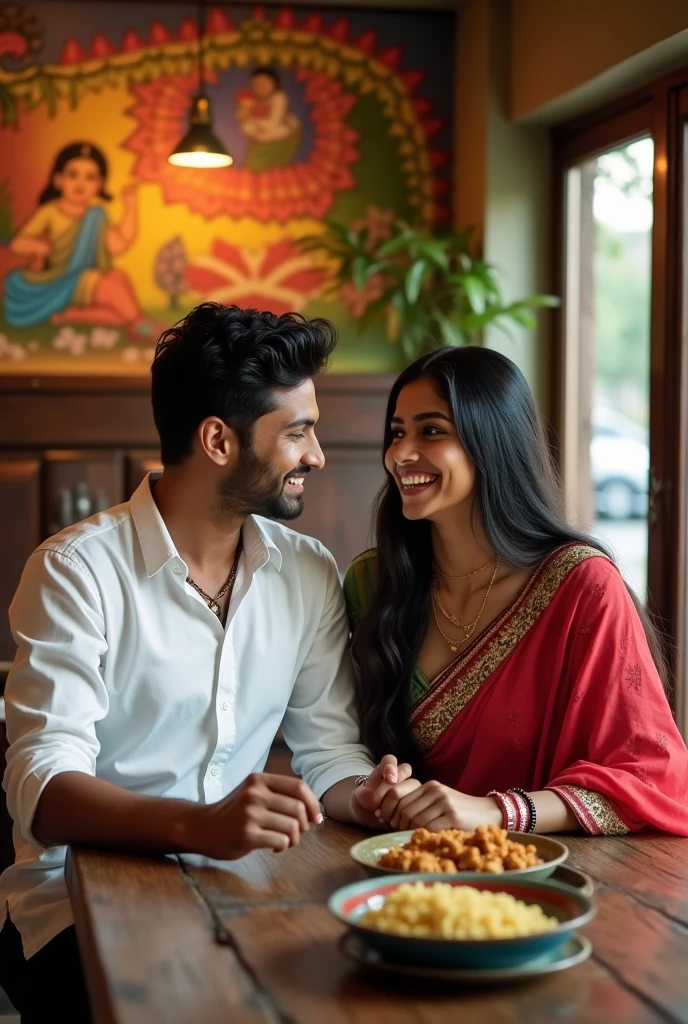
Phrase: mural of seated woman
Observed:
(273, 130)
(68, 245)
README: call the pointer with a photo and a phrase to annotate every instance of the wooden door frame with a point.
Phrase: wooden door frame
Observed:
(654, 110)
(677, 317)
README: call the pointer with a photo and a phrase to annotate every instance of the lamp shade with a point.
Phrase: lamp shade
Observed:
(200, 147)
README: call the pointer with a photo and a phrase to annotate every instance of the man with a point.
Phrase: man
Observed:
(162, 642)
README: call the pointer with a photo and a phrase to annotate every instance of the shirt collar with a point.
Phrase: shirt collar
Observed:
(259, 547)
(158, 547)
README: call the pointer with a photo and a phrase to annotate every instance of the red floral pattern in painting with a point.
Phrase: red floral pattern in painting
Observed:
(302, 190)
(279, 277)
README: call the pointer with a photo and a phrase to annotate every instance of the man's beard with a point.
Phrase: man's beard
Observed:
(254, 488)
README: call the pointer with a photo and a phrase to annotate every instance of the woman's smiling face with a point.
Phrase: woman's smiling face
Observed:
(426, 458)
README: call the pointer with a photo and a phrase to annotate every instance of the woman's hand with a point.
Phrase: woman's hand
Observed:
(36, 248)
(120, 237)
(387, 779)
(434, 806)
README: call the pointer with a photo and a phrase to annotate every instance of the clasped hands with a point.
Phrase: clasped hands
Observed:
(392, 797)
(273, 811)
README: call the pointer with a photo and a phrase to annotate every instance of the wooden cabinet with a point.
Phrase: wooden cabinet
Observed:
(71, 447)
(139, 464)
(79, 484)
(20, 530)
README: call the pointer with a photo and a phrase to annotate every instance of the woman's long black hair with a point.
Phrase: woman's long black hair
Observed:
(76, 151)
(518, 501)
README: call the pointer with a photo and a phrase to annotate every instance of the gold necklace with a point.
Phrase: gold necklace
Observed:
(465, 575)
(214, 602)
(453, 644)
(468, 628)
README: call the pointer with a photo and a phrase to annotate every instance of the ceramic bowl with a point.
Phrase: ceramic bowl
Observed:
(571, 908)
(573, 951)
(552, 852)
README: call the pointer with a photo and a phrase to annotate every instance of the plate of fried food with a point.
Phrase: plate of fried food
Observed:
(491, 923)
(487, 850)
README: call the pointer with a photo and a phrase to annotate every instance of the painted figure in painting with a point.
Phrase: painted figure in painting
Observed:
(273, 130)
(68, 245)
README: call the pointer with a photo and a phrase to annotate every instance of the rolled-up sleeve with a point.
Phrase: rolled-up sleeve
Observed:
(55, 692)
(320, 724)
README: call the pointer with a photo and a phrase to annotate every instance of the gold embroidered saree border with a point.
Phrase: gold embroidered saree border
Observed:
(593, 811)
(452, 690)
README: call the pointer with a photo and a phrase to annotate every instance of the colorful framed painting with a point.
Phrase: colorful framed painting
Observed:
(330, 115)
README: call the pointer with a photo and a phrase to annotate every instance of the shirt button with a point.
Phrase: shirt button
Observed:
(224, 706)
(214, 771)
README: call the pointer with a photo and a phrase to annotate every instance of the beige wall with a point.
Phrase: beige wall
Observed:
(502, 180)
(559, 46)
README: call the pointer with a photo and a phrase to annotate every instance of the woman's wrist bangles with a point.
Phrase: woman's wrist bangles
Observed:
(518, 809)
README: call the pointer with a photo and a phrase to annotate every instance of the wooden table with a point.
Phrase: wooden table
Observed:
(191, 941)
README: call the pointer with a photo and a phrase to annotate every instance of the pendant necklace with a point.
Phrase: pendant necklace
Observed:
(214, 603)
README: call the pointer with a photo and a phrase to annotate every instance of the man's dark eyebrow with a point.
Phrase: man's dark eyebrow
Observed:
(300, 423)
(422, 416)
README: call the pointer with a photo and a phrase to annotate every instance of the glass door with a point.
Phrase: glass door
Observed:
(607, 290)
(620, 382)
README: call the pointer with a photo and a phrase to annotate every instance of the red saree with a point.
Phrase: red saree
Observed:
(561, 693)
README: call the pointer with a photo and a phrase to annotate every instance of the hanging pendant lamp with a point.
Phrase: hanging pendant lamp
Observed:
(200, 147)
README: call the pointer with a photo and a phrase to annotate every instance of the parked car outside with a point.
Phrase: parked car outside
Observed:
(619, 465)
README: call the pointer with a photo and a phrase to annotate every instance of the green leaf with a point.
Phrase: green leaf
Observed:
(434, 250)
(476, 321)
(393, 246)
(522, 316)
(359, 274)
(379, 267)
(542, 301)
(400, 304)
(414, 280)
(476, 293)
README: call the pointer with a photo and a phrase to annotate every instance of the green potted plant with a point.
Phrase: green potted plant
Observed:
(429, 291)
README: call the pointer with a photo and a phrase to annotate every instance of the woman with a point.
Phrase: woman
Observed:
(68, 245)
(273, 130)
(498, 649)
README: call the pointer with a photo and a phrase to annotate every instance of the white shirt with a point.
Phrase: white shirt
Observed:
(124, 673)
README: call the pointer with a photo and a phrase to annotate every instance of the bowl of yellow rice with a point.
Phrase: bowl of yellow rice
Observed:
(495, 922)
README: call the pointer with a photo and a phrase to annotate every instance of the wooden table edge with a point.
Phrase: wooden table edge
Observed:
(93, 965)
(229, 990)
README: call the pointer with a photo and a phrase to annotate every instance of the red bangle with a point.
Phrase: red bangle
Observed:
(523, 811)
(509, 809)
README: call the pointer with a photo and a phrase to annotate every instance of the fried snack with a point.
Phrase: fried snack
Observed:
(443, 911)
(488, 849)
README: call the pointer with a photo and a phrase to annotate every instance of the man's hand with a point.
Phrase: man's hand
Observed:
(264, 812)
(388, 780)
